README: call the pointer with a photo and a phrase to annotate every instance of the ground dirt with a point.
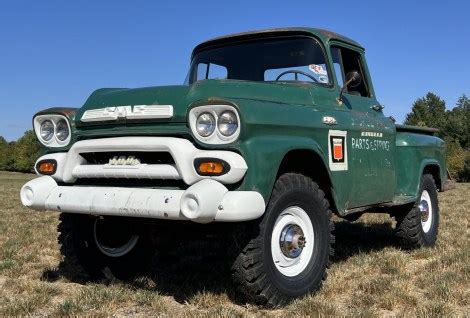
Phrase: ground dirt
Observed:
(370, 274)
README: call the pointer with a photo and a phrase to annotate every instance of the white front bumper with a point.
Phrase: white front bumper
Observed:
(203, 202)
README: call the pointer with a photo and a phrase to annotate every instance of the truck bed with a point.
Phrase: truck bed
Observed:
(417, 129)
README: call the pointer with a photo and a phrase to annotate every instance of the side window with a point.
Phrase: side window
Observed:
(345, 61)
(337, 65)
(210, 71)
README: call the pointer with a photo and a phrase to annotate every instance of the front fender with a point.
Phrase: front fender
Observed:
(264, 155)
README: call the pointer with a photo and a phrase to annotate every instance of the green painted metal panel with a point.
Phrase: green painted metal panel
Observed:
(280, 117)
(415, 152)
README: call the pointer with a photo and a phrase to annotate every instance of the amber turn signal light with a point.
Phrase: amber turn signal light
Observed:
(211, 167)
(47, 167)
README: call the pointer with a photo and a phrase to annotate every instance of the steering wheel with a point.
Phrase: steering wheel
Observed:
(296, 72)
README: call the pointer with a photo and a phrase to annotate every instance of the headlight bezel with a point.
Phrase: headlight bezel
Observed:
(54, 142)
(216, 138)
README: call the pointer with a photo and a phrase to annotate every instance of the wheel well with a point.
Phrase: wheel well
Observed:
(310, 164)
(434, 170)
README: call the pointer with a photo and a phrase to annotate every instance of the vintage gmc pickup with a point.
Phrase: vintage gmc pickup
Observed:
(272, 132)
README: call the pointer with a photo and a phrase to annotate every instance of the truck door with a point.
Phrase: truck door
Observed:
(370, 136)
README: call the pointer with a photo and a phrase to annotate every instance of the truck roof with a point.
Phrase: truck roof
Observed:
(322, 34)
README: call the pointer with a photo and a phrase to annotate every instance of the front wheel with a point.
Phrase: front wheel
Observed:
(417, 226)
(111, 247)
(290, 247)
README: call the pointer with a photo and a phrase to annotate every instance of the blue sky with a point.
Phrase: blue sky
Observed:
(55, 53)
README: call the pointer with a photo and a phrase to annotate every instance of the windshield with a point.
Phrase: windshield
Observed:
(283, 59)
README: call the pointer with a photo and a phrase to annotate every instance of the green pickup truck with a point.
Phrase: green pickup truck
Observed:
(272, 132)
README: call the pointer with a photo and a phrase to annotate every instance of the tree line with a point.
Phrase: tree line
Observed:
(19, 155)
(454, 128)
(429, 111)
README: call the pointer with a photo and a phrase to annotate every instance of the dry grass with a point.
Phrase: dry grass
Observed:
(370, 275)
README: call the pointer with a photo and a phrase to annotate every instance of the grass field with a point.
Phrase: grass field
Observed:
(370, 275)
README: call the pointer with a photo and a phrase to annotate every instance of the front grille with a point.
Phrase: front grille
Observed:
(150, 158)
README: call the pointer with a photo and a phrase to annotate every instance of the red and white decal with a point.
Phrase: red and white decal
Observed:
(337, 150)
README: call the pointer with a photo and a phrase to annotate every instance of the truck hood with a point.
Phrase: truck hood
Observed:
(112, 97)
(181, 97)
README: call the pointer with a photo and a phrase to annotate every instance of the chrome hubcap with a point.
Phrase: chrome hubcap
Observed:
(292, 241)
(424, 209)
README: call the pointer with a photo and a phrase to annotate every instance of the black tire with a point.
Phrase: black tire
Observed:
(254, 271)
(81, 253)
(410, 230)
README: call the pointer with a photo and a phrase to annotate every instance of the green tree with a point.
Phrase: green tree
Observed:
(5, 155)
(25, 152)
(464, 174)
(427, 111)
(462, 111)
(454, 128)
(456, 156)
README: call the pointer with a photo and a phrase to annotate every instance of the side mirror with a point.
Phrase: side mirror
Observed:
(353, 79)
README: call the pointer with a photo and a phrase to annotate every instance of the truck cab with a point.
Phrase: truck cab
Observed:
(272, 131)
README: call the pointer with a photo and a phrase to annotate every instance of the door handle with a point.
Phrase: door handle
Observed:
(377, 107)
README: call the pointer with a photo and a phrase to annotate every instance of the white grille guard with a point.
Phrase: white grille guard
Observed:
(206, 199)
(71, 166)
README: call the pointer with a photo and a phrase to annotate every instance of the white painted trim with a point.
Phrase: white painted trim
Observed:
(292, 267)
(338, 166)
(182, 151)
(54, 118)
(226, 206)
(200, 202)
(216, 137)
(428, 223)
(129, 112)
(142, 171)
(60, 158)
(241, 206)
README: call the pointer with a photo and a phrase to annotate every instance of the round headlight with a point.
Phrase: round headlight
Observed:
(47, 130)
(62, 130)
(205, 124)
(228, 123)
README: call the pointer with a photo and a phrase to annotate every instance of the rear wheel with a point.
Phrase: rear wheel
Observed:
(289, 249)
(417, 226)
(109, 247)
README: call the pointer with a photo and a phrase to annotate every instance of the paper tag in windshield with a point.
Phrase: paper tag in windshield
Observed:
(317, 69)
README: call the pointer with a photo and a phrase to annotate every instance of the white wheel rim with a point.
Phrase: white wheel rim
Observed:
(115, 251)
(426, 211)
(291, 219)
